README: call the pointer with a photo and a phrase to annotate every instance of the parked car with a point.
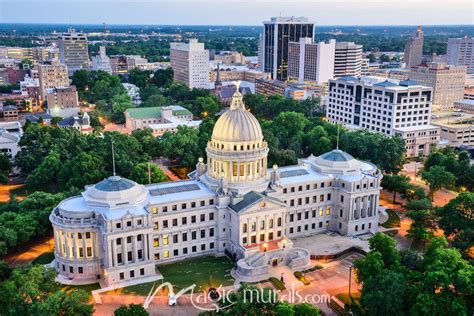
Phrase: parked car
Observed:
(171, 299)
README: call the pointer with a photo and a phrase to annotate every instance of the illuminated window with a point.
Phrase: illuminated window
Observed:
(320, 212)
(156, 242)
(328, 211)
(165, 239)
(166, 254)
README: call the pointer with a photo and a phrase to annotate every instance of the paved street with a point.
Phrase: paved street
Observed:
(441, 197)
(32, 251)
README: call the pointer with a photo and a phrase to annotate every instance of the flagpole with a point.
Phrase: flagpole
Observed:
(149, 172)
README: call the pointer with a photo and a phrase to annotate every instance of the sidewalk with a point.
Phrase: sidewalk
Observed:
(33, 251)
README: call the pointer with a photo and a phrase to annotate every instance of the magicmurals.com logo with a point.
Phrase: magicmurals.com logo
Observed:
(207, 300)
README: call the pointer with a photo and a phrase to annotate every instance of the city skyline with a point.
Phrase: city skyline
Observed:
(186, 12)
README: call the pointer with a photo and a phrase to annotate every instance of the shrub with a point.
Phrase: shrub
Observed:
(299, 275)
(278, 284)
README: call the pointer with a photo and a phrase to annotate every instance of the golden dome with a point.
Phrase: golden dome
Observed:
(237, 124)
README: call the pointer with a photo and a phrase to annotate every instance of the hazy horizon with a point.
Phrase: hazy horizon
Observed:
(233, 12)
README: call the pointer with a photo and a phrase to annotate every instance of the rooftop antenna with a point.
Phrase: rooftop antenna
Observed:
(337, 141)
(113, 156)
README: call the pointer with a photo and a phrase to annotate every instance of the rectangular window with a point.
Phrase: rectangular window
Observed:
(185, 251)
(129, 256)
(174, 207)
(165, 240)
(211, 216)
(140, 254)
(156, 242)
(185, 236)
(80, 270)
(122, 276)
(203, 217)
(193, 235)
(175, 253)
(166, 254)
(175, 238)
(129, 239)
(142, 271)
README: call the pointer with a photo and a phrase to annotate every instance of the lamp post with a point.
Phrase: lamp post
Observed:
(265, 245)
(350, 276)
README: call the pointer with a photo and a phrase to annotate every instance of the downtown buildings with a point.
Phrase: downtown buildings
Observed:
(116, 231)
(310, 62)
(52, 75)
(274, 42)
(347, 60)
(389, 107)
(447, 82)
(461, 53)
(414, 49)
(190, 63)
(73, 50)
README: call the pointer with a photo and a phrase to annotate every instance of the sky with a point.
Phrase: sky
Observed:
(237, 12)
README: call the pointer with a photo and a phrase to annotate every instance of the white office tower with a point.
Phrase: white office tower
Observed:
(190, 63)
(347, 60)
(73, 50)
(461, 53)
(414, 49)
(101, 61)
(311, 62)
(278, 32)
(386, 106)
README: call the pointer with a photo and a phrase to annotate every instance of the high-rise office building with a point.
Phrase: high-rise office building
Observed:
(389, 107)
(447, 82)
(414, 49)
(101, 61)
(51, 76)
(311, 62)
(278, 32)
(190, 63)
(73, 50)
(461, 53)
(347, 60)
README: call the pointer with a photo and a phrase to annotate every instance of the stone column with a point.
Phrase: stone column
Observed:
(114, 252)
(134, 249)
(74, 246)
(124, 250)
(145, 246)
(109, 250)
(84, 250)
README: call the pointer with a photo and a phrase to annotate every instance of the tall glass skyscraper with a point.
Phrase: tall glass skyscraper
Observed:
(278, 32)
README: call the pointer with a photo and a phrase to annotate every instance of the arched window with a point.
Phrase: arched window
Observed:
(270, 224)
(254, 226)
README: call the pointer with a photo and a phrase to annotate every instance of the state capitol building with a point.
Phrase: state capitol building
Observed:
(117, 230)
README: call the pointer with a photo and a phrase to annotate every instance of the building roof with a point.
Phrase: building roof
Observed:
(408, 83)
(251, 198)
(337, 155)
(385, 83)
(114, 183)
(151, 112)
(34, 118)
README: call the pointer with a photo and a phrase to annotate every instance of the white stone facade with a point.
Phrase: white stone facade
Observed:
(233, 205)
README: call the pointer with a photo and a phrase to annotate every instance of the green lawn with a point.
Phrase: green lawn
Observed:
(393, 219)
(205, 272)
(86, 288)
(44, 258)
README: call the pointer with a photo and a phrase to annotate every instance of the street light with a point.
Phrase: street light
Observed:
(265, 245)
(350, 276)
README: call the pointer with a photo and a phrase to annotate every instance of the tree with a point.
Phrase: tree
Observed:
(85, 168)
(5, 167)
(456, 219)
(131, 310)
(140, 173)
(46, 175)
(163, 77)
(138, 77)
(34, 291)
(306, 309)
(437, 178)
(156, 100)
(395, 184)
(423, 225)
(284, 309)
(384, 292)
(387, 248)
(182, 145)
(417, 205)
